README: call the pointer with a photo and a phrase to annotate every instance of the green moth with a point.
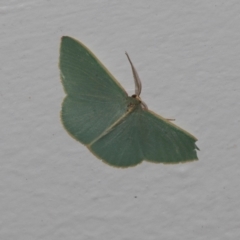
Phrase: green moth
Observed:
(117, 128)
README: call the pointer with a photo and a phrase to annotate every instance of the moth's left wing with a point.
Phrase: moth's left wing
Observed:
(143, 135)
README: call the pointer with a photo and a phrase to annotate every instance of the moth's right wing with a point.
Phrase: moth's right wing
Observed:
(95, 100)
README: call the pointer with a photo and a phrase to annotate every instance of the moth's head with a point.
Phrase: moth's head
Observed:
(137, 98)
(133, 102)
(139, 101)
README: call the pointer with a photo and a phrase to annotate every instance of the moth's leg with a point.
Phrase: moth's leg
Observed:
(170, 119)
(144, 105)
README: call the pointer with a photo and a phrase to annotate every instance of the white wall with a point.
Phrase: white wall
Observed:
(187, 54)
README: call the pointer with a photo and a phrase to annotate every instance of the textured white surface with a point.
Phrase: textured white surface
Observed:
(187, 54)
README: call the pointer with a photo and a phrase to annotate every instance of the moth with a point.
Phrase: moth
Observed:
(115, 127)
